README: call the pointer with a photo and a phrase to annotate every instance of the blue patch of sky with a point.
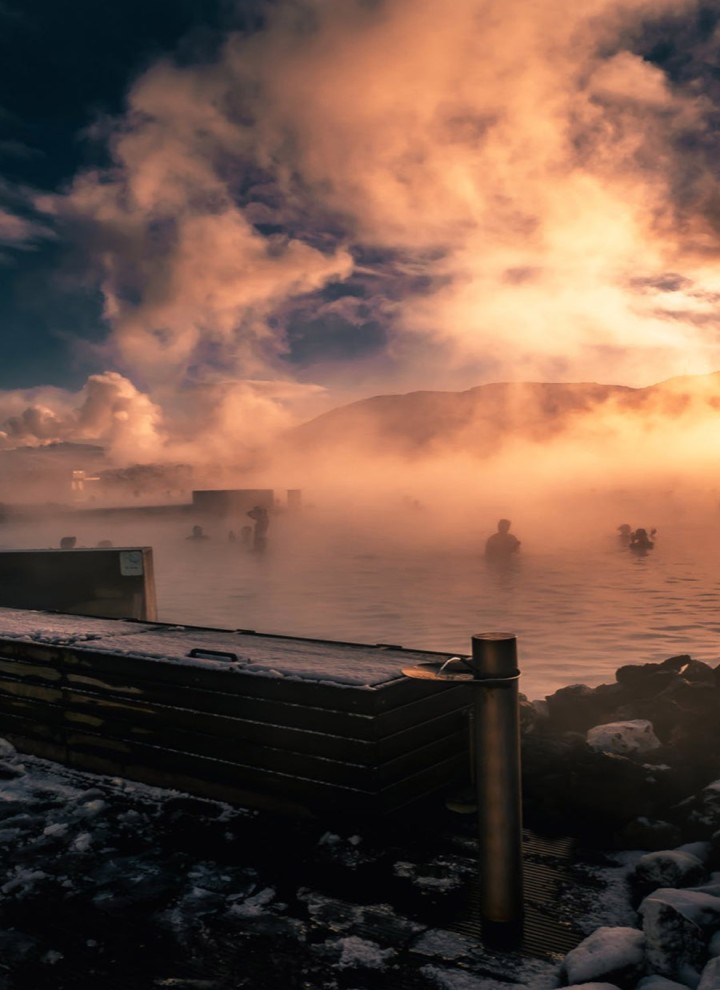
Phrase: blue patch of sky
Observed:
(62, 67)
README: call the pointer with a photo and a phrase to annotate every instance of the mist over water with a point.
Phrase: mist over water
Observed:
(363, 198)
(403, 573)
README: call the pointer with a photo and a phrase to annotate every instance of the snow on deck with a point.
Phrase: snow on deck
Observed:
(349, 664)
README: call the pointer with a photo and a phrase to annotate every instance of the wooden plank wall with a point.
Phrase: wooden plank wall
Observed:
(246, 739)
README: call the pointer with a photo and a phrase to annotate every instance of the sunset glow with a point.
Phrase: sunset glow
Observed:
(359, 198)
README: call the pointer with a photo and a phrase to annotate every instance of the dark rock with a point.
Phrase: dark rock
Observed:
(615, 787)
(699, 815)
(714, 853)
(656, 982)
(529, 715)
(677, 926)
(609, 695)
(676, 663)
(578, 707)
(690, 697)
(567, 705)
(697, 671)
(592, 986)
(648, 833)
(9, 771)
(644, 680)
(17, 947)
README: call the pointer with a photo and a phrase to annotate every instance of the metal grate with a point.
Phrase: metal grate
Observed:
(547, 876)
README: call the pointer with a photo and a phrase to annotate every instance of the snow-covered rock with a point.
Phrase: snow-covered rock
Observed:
(678, 925)
(710, 976)
(631, 736)
(668, 868)
(703, 810)
(607, 955)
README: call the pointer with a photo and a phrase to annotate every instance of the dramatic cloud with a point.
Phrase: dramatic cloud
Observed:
(109, 408)
(523, 151)
(510, 190)
(216, 423)
(14, 229)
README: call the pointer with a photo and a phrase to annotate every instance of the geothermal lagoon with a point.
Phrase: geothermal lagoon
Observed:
(580, 605)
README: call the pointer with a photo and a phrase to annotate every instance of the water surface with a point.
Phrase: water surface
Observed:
(578, 612)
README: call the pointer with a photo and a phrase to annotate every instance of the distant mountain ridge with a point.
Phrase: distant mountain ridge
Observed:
(482, 418)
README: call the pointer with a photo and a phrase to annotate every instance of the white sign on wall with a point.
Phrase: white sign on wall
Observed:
(131, 563)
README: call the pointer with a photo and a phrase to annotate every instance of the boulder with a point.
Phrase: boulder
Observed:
(633, 758)
(631, 736)
(699, 815)
(714, 851)
(529, 714)
(678, 925)
(696, 670)
(577, 707)
(610, 955)
(648, 833)
(592, 986)
(666, 868)
(642, 679)
(615, 788)
(691, 697)
(656, 982)
(710, 976)
(700, 849)
(566, 782)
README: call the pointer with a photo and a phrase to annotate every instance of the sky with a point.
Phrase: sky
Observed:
(222, 218)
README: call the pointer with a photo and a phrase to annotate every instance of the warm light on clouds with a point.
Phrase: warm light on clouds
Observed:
(529, 194)
(109, 408)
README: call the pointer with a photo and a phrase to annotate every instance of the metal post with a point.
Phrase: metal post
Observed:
(498, 783)
(492, 675)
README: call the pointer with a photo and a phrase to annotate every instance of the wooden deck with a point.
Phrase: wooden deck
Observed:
(267, 721)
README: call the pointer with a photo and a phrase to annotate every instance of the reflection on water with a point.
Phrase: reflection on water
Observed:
(578, 613)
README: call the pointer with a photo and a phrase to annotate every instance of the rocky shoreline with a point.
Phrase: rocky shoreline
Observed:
(107, 881)
(635, 765)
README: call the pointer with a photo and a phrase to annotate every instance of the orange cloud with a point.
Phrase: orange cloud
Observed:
(540, 181)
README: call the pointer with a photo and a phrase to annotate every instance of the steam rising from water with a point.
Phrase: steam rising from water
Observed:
(392, 573)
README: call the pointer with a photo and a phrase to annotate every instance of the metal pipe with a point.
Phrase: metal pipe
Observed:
(498, 783)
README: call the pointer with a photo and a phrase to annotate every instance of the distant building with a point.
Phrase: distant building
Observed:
(232, 501)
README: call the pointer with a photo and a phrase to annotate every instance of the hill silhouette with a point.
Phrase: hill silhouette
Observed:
(482, 419)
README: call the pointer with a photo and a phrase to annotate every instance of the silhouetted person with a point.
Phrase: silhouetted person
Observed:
(501, 545)
(624, 535)
(262, 521)
(68, 542)
(640, 541)
(197, 534)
